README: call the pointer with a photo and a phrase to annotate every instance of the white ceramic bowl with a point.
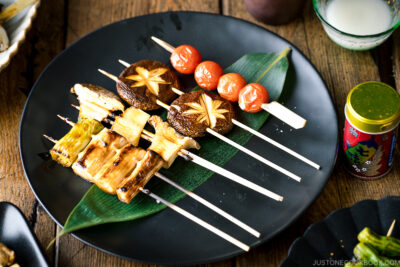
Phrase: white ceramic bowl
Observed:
(16, 29)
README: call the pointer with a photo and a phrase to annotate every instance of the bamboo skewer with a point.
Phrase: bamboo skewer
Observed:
(187, 155)
(256, 133)
(223, 138)
(185, 213)
(189, 193)
(211, 206)
(274, 108)
(198, 220)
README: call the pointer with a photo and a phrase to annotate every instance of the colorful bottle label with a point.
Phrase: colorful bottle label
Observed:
(368, 155)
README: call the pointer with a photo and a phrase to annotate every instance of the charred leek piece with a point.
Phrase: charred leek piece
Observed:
(385, 245)
(100, 150)
(131, 124)
(66, 150)
(145, 169)
(167, 142)
(96, 102)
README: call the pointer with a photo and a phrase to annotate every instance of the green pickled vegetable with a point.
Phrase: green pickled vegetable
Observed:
(66, 150)
(367, 254)
(385, 245)
(355, 264)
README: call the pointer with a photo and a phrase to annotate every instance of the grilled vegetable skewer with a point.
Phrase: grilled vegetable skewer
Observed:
(274, 108)
(187, 155)
(256, 133)
(216, 134)
(104, 157)
(194, 218)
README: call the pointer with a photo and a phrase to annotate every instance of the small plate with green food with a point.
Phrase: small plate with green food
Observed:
(360, 235)
(18, 245)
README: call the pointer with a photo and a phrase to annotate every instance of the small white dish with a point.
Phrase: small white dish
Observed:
(16, 28)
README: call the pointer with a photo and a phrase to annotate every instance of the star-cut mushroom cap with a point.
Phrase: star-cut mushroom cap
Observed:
(192, 113)
(145, 81)
(149, 78)
(207, 110)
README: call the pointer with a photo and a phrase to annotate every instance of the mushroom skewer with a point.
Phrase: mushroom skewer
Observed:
(256, 133)
(274, 108)
(185, 213)
(187, 155)
(223, 138)
(184, 190)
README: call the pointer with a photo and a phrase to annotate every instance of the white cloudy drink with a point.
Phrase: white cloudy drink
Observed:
(360, 18)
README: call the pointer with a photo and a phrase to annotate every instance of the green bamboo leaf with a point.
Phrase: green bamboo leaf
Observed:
(97, 207)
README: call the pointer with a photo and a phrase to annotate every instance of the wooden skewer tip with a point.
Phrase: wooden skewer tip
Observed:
(51, 139)
(126, 64)
(389, 233)
(109, 75)
(163, 44)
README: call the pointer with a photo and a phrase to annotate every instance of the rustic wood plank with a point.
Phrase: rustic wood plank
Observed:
(84, 16)
(82, 19)
(43, 42)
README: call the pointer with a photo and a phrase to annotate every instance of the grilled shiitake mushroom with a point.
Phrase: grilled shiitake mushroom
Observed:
(145, 81)
(192, 113)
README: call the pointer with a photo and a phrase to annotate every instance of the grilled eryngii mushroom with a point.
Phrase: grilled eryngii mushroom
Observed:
(145, 169)
(67, 149)
(96, 102)
(119, 168)
(131, 124)
(192, 113)
(100, 150)
(145, 81)
(167, 142)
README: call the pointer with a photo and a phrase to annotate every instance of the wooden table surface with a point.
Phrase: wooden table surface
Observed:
(61, 22)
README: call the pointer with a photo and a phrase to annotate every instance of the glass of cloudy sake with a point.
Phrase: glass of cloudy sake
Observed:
(358, 24)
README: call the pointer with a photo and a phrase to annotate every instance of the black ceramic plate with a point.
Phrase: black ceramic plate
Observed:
(16, 235)
(331, 241)
(166, 237)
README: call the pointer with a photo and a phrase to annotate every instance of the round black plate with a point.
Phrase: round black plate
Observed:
(16, 235)
(331, 241)
(167, 237)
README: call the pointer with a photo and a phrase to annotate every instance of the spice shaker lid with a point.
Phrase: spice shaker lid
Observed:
(373, 107)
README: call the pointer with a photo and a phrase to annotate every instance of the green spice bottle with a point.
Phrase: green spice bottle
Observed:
(372, 114)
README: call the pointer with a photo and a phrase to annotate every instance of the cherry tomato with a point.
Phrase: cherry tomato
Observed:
(229, 86)
(207, 74)
(185, 59)
(252, 96)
